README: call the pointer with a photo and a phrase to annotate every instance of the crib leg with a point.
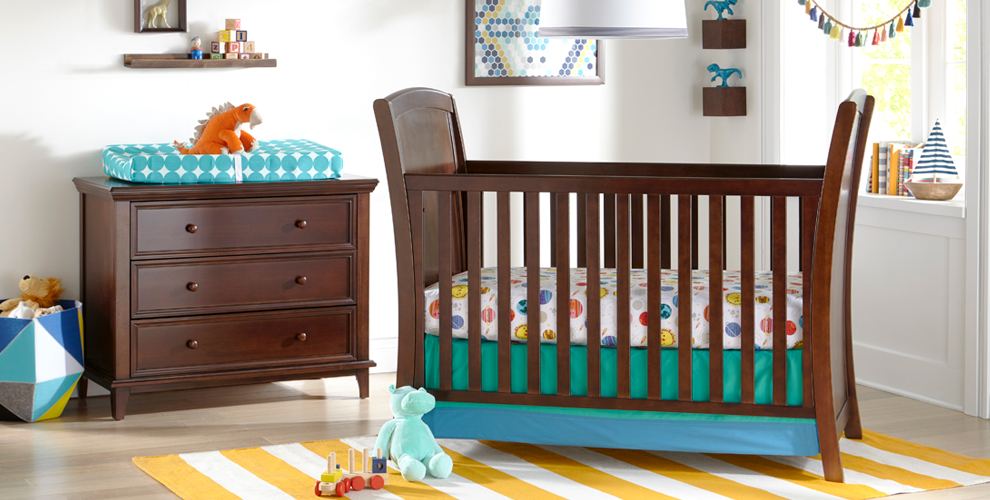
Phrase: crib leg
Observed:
(854, 428)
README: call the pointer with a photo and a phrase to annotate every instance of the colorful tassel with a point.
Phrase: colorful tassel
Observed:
(852, 38)
(908, 20)
(828, 27)
(876, 37)
(883, 35)
(821, 21)
(836, 31)
(917, 12)
(802, 2)
(814, 14)
(859, 39)
(893, 32)
(924, 3)
(900, 25)
(807, 8)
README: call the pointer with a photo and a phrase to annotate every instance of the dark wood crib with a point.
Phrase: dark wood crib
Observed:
(624, 214)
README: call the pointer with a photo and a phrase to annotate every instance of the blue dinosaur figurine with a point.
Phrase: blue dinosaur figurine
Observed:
(721, 6)
(724, 74)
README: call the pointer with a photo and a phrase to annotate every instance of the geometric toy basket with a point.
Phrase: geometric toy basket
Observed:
(41, 360)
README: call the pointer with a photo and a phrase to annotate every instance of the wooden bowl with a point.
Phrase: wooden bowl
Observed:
(935, 191)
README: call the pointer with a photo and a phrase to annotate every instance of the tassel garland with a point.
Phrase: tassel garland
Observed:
(859, 37)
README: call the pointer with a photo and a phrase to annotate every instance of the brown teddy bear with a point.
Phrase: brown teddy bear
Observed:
(36, 292)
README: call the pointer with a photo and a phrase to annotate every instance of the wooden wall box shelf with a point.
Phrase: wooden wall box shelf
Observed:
(724, 34)
(222, 284)
(146, 61)
(724, 101)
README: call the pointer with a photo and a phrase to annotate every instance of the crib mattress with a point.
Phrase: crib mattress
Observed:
(731, 370)
(273, 161)
(731, 297)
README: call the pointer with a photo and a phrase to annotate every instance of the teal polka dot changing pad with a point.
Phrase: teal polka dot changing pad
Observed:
(273, 161)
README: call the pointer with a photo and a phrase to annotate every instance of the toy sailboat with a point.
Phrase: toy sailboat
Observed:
(935, 176)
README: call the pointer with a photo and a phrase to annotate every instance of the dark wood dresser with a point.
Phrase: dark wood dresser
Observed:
(189, 286)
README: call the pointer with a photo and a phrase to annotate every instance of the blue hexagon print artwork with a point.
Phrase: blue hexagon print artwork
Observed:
(507, 45)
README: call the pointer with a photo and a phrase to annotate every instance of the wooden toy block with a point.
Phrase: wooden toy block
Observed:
(241, 35)
(230, 55)
(216, 56)
(244, 56)
(234, 47)
(247, 47)
(257, 55)
(233, 24)
(228, 36)
(218, 47)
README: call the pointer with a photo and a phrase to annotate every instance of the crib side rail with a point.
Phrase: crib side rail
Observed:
(622, 192)
(623, 169)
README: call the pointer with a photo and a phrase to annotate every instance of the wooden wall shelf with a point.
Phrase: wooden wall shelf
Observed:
(724, 34)
(724, 101)
(183, 61)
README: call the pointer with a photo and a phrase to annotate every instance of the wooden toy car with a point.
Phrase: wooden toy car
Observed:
(338, 482)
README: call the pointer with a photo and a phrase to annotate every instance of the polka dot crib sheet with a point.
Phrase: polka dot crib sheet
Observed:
(731, 328)
(273, 161)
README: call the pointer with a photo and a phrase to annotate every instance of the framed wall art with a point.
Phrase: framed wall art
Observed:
(502, 48)
(160, 16)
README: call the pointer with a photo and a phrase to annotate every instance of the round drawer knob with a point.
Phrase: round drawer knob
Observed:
(301, 280)
(192, 228)
(301, 224)
(301, 337)
(192, 287)
(192, 344)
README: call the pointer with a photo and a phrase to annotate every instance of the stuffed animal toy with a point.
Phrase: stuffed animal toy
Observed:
(220, 132)
(409, 441)
(36, 293)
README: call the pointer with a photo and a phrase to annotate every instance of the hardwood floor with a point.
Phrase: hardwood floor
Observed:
(86, 455)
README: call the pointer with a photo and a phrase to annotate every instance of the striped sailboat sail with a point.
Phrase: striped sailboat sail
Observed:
(935, 164)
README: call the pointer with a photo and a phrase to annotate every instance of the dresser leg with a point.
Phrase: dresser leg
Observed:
(82, 388)
(362, 380)
(118, 402)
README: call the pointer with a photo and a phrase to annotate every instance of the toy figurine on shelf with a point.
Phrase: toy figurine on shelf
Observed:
(159, 10)
(724, 74)
(196, 52)
(721, 6)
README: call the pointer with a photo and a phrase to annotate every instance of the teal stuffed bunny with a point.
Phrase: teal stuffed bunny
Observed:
(409, 441)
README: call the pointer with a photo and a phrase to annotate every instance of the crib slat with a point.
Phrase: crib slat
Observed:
(665, 236)
(622, 296)
(531, 228)
(809, 217)
(474, 289)
(716, 249)
(694, 232)
(416, 228)
(637, 231)
(562, 236)
(653, 318)
(553, 229)
(684, 297)
(444, 221)
(594, 295)
(747, 297)
(504, 293)
(609, 215)
(778, 253)
(582, 232)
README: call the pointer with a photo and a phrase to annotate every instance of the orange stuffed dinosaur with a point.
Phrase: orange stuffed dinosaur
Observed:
(220, 132)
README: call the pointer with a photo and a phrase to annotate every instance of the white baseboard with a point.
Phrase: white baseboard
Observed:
(908, 394)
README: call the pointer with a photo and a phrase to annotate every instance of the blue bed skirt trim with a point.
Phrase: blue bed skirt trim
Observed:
(623, 429)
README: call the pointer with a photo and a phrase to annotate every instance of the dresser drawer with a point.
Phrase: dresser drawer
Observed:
(220, 285)
(242, 340)
(235, 226)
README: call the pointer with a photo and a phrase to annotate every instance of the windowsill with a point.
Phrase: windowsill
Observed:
(955, 207)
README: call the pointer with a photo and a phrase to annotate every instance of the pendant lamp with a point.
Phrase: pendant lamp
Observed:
(613, 19)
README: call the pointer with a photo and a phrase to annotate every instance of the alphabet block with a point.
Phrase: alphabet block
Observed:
(230, 55)
(245, 56)
(233, 24)
(247, 47)
(228, 36)
(218, 47)
(241, 36)
(216, 56)
(234, 47)
(257, 55)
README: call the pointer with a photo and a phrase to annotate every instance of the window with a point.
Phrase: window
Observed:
(917, 77)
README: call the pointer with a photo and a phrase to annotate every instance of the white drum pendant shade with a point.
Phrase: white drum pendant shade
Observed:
(613, 19)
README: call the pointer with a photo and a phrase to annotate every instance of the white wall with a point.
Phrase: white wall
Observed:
(66, 94)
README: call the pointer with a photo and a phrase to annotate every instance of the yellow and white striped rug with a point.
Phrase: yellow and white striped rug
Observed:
(875, 467)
